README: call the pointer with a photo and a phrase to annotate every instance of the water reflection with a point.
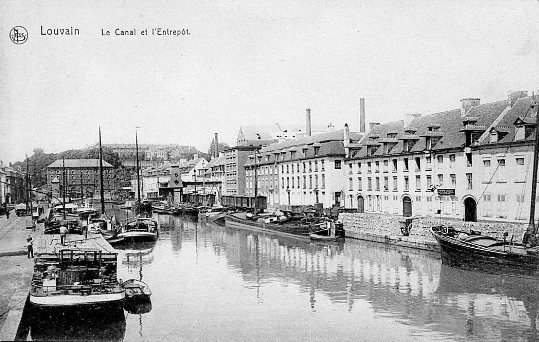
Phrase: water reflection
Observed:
(78, 325)
(211, 282)
(511, 301)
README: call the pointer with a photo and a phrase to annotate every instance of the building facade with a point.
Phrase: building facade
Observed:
(82, 177)
(234, 177)
(12, 188)
(471, 164)
(301, 172)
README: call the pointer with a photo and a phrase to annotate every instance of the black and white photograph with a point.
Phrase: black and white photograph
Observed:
(306, 170)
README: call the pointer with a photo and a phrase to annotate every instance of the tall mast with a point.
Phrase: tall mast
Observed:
(102, 192)
(64, 187)
(532, 229)
(256, 185)
(138, 175)
(26, 184)
(30, 191)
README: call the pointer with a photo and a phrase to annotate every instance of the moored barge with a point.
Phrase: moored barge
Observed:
(82, 271)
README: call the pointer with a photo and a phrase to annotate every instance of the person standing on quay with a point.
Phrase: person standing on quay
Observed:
(63, 233)
(7, 213)
(30, 245)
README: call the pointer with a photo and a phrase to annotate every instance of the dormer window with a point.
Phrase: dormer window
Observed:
(372, 150)
(292, 154)
(316, 150)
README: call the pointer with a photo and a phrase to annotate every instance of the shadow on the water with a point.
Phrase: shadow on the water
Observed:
(138, 306)
(78, 324)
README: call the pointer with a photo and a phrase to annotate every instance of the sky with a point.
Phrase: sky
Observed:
(249, 62)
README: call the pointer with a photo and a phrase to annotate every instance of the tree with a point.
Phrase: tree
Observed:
(109, 156)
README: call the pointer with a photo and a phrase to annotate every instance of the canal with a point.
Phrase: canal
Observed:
(216, 283)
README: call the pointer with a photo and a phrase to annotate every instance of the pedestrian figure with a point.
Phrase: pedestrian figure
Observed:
(7, 214)
(63, 233)
(30, 245)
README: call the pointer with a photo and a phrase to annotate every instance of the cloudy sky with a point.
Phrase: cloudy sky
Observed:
(249, 62)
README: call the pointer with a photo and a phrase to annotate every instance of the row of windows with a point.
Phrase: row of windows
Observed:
(295, 182)
(406, 182)
(498, 173)
(375, 166)
(280, 156)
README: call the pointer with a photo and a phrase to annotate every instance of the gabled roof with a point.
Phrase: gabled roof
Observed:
(449, 124)
(520, 109)
(79, 163)
(327, 144)
(216, 161)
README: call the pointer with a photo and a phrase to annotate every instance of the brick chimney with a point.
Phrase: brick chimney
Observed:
(216, 146)
(362, 115)
(467, 103)
(308, 122)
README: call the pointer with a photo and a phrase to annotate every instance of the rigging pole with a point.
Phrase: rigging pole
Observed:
(64, 187)
(531, 231)
(256, 187)
(138, 175)
(27, 192)
(30, 191)
(102, 192)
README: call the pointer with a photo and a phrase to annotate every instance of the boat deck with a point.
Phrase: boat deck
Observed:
(49, 244)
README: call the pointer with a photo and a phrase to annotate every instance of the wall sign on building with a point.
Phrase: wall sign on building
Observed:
(446, 192)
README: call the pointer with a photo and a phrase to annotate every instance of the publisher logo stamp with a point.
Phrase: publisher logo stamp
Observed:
(18, 35)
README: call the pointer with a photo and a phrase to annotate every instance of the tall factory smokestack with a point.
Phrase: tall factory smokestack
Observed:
(216, 146)
(362, 115)
(308, 122)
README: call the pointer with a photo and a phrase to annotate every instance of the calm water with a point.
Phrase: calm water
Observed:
(216, 283)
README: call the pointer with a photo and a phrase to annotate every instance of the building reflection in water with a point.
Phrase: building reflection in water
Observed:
(411, 286)
(225, 278)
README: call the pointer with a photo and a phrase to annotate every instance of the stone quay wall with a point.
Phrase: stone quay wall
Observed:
(386, 228)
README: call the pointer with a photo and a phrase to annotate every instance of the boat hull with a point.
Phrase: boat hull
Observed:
(137, 236)
(318, 237)
(462, 254)
(67, 300)
(295, 231)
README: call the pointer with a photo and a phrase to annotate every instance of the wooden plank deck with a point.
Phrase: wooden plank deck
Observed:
(50, 244)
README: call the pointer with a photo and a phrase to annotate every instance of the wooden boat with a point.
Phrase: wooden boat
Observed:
(83, 271)
(136, 289)
(321, 237)
(488, 254)
(107, 227)
(165, 209)
(485, 253)
(296, 229)
(141, 229)
(327, 231)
